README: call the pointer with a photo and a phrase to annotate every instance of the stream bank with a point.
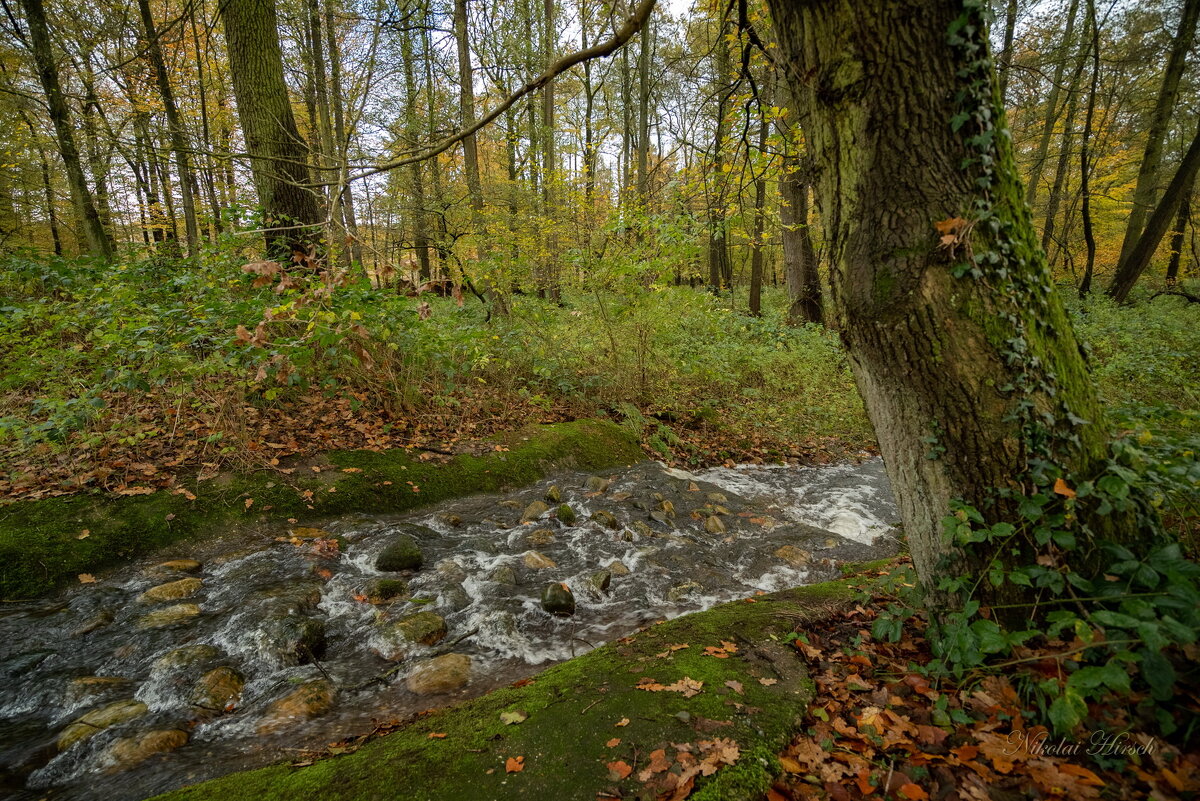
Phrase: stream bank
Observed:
(45, 544)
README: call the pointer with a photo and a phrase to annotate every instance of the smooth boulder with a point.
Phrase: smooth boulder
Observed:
(558, 600)
(442, 674)
(402, 553)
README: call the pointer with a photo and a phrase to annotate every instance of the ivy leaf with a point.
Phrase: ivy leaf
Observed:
(1068, 710)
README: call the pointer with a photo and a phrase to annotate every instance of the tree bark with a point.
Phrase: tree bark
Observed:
(416, 180)
(1085, 167)
(1146, 189)
(1156, 226)
(961, 348)
(799, 256)
(760, 202)
(179, 140)
(96, 238)
(1054, 201)
(1005, 66)
(278, 154)
(345, 197)
(1182, 218)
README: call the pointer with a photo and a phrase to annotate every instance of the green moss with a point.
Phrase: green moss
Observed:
(41, 548)
(573, 710)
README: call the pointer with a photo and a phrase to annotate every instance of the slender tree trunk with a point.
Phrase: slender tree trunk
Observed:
(1085, 166)
(1063, 167)
(1182, 218)
(1148, 178)
(799, 256)
(720, 271)
(549, 158)
(97, 239)
(179, 139)
(929, 322)
(760, 203)
(345, 197)
(1005, 66)
(1053, 109)
(416, 182)
(441, 234)
(278, 152)
(208, 172)
(1156, 227)
(643, 111)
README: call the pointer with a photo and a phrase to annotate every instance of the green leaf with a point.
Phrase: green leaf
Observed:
(1159, 673)
(1068, 710)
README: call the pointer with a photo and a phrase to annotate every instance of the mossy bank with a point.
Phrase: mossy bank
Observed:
(578, 718)
(45, 543)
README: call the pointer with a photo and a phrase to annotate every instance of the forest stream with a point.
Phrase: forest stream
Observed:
(248, 650)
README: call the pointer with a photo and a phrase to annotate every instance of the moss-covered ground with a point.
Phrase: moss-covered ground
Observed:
(754, 696)
(48, 542)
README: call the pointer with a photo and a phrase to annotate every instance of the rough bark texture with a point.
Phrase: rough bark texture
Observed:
(278, 152)
(932, 354)
(1179, 231)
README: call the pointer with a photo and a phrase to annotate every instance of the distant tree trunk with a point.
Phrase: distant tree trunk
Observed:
(799, 256)
(1054, 201)
(345, 196)
(549, 158)
(1156, 227)
(1146, 189)
(1182, 218)
(1010, 27)
(208, 172)
(278, 154)
(643, 118)
(97, 239)
(416, 181)
(466, 105)
(179, 139)
(720, 270)
(1053, 109)
(760, 203)
(441, 233)
(1085, 167)
(933, 352)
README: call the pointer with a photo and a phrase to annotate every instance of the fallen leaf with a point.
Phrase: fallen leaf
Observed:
(515, 716)
(437, 735)
(623, 722)
(514, 764)
(83, 535)
(613, 743)
(658, 764)
(1063, 488)
(249, 502)
(736, 686)
(768, 682)
(618, 770)
(913, 792)
(87, 578)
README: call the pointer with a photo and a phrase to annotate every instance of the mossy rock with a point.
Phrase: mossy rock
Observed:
(425, 628)
(566, 515)
(380, 591)
(294, 639)
(572, 711)
(40, 549)
(97, 720)
(402, 553)
(558, 600)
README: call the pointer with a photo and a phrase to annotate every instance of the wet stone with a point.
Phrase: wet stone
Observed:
(605, 519)
(425, 628)
(380, 591)
(503, 575)
(618, 568)
(716, 497)
(171, 591)
(597, 484)
(640, 528)
(169, 616)
(177, 566)
(659, 516)
(130, 751)
(681, 591)
(558, 600)
(533, 511)
(100, 620)
(540, 538)
(98, 720)
(294, 639)
(510, 504)
(185, 658)
(217, 689)
(599, 582)
(311, 699)
(451, 571)
(442, 674)
(566, 515)
(402, 553)
(452, 520)
(554, 494)
(537, 561)
(86, 687)
(796, 557)
(714, 525)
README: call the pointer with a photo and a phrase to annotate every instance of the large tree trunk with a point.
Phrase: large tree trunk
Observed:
(1146, 190)
(961, 348)
(96, 238)
(278, 155)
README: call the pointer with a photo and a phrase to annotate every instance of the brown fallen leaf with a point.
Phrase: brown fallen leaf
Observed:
(658, 764)
(437, 735)
(83, 535)
(622, 722)
(736, 686)
(87, 578)
(618, 770)
(768, 682)
(249, 502)
(514, 764)
(614, 742)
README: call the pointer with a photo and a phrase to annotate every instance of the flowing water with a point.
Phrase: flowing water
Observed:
(279, 641)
